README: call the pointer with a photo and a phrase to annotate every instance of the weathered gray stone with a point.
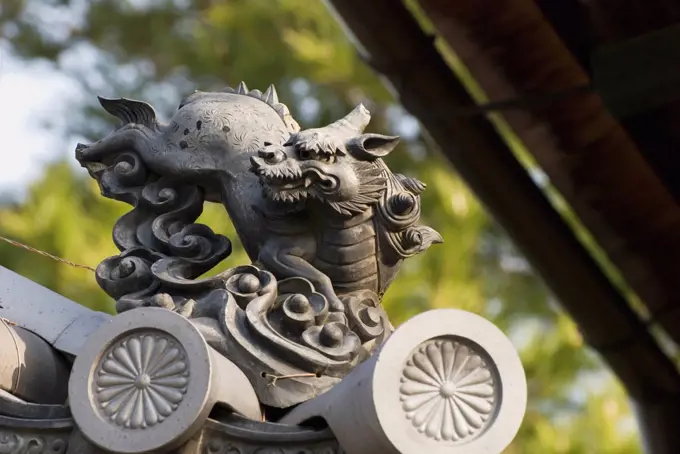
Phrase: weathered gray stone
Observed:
(324, 220)
(256, 358)
(25, 436)
(30, 368)
(147, 381)
(58, 320)
(446, 381)
(238, 435)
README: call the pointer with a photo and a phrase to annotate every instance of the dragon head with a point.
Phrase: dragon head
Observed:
(336, 164)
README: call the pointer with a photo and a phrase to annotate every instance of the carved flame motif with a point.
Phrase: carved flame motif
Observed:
(448, 390)
(142, 380)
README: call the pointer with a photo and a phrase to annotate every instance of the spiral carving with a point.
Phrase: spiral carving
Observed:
(161, 246)
(365, 315)
(167, 172)
(128, 273)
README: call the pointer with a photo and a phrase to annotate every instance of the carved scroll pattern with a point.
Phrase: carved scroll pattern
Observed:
(27, 443)
(220, 445)
(158, 238)
(289, 327)
(163, 251)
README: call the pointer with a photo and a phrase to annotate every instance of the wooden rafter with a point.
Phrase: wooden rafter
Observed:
(511, 49)
(396, 46)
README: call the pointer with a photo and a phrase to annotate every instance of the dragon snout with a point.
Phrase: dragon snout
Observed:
(93, 152)
(271, 156)
(80, 151)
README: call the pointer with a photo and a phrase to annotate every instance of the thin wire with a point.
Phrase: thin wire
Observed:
(45, 254)
(275, 378)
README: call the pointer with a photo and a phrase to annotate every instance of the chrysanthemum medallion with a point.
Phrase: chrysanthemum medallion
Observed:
(141, 380)
(448, 390)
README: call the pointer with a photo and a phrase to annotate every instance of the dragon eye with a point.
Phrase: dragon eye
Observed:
(304, 154)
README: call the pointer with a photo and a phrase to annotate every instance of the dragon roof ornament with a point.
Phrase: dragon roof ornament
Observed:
(324, 220)
(326, 225)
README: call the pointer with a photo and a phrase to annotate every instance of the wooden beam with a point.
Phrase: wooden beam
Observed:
(639, 74)
(389, 37)
(510, 49)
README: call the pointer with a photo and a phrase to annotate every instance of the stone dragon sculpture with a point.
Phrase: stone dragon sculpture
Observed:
(290, 353)
(323, 219)
(350, 218)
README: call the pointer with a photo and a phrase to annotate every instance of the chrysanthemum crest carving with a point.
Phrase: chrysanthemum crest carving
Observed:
(448, 390)
(141, 380)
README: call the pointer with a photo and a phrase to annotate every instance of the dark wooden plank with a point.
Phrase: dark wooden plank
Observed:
(388, 35)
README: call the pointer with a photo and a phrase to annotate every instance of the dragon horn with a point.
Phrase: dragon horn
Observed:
(355, 121)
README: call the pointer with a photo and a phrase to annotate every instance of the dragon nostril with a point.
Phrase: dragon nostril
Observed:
(273, 157)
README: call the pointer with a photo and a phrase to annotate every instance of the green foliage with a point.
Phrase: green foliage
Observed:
(146, 51)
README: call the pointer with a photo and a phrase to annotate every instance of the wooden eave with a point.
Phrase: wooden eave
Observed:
(512, 49)
(391, 40)
(527, 47)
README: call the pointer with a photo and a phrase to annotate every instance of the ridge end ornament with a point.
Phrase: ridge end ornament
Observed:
(324, 221)
(270, 355)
